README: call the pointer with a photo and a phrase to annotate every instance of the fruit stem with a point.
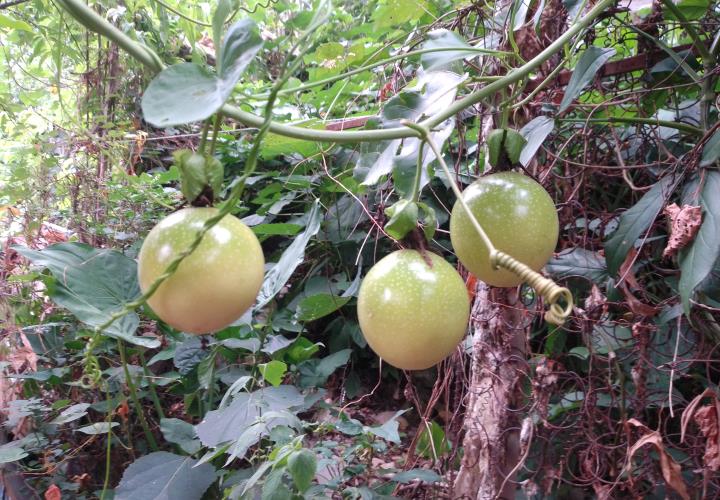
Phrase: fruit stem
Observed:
(547, 288)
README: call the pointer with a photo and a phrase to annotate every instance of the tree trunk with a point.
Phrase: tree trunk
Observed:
(491, 443)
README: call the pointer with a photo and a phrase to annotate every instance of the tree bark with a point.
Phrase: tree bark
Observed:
(491, 442)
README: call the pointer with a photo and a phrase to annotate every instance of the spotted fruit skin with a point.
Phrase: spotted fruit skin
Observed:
(413, 315)
(518, 216)
(215, 284)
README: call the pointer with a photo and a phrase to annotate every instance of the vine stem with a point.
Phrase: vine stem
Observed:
(136, 401)
(93, 21)
(545, 287)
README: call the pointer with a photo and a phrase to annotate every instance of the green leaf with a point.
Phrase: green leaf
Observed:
(425, 475)
(282, 229)
(396, 12)
(97, 428)
(14, 24)
(711, 150)
(691, 9)
(186, 93)
(192, 173)
(319, 305)
(188, 354)
(11, 452)
(93, 284)
(697, 260)
(635, 221)
(584, 72)
(274, 488)
(535, 132)
(302, 465)
(403, 218)
(215, 174)
(442, 38)
(180, 433)
(301, 350)
(162, 475)
(430, 222)
(206, 371)
(434, 92)
(432, 444)
(291, 258)
(273, 372)
(222, 12)
(314, 372)
(389, 430)
(504, 147)
(72, 413)
(578, 262)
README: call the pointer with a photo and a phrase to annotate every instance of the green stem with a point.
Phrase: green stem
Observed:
(398, 57)
(203, 137)
(108, 445)
(216, 130)
(178, 13)
(690, 29)
(684, 127)
(136, 401)
(415, 193)
(151, 385)
(93, 21)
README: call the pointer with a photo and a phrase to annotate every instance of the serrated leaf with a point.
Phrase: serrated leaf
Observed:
(578, 262)
(584, 72)
(93, 284)
(319, 305)
(635, 221)
(302, 465)
(697, 260)
(180, 433)
(273, 371)
(165, 476)
(535, 132)
(292, 257)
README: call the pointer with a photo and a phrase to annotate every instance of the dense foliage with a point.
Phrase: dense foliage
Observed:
(101, 109)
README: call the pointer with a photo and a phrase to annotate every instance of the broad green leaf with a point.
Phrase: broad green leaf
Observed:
(302, 465)
(444, 39)
(281, 229)
(165, 476)
(206, 371)
(180, 433)
(291, 258)
(584, 72)
(635, 221)
(396, 12)
(222, 11)
(578, 262)
(389, 430)
(14, 24)
(93, 284)
(72, 413)
(188, 354)
(273, 371)
(11, 452)
(535, 132)
(691, 9)
(319, 305)
(227, 424)
(425, 475)
(186, 92)
(711, 150)
(97, 428)
(314, 372)
(274, 488)
(432, 444)
(301, 350)
(697, 260)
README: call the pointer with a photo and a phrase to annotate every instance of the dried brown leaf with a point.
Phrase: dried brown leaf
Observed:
(685, 222)
(671, 470)
(707, 419)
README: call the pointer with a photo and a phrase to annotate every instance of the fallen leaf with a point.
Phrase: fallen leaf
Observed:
(707, 419)
(685, 222)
